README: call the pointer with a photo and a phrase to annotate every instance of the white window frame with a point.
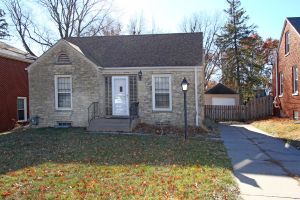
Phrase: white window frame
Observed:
(281, 84)
(56, 91)
(153, 92)
(295, 78)
(287, 42)
(25, 109)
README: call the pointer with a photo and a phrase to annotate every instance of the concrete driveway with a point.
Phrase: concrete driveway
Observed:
(265, 167)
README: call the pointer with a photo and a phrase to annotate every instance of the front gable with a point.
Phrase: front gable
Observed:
(61, 50)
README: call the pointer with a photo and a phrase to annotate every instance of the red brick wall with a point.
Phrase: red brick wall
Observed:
(13, 84)
(289, 103)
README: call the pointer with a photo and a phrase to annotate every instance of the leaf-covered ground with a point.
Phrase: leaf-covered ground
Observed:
(283, 128)
(74, 164)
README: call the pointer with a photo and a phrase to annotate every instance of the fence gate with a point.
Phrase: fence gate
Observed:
(255, 109)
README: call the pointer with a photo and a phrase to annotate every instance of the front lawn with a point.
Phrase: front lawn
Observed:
(74, 164)
(282, 128)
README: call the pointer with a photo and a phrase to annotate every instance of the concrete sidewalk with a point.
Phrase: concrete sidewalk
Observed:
(263, 166)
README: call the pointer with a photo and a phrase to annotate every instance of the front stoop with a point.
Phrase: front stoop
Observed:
(112, 125)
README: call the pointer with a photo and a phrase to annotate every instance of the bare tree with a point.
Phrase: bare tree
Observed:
(3, 25)
(69, 17)
(136, 25)
(210, 26)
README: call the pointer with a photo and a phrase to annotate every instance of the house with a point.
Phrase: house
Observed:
(13, 86)
(100, 82)
(285, 70)
(221, 95)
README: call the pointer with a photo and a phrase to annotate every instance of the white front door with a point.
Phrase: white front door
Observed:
(120, 102)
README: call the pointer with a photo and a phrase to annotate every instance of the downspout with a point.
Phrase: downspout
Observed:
(196, 96)
(276, 72)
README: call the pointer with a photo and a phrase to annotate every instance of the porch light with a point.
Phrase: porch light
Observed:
(140, 74)
(184, 84)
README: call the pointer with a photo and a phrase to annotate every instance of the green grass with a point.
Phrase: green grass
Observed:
(74, 164)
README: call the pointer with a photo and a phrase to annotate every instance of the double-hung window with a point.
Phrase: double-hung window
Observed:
(295, 80)
(280, 83)
(63, 92)
(161, 92)
(22, 109)
(287, 42)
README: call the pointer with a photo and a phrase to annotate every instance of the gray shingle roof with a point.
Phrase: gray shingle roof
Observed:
(295, 21)
(220, 89)
(178, 49)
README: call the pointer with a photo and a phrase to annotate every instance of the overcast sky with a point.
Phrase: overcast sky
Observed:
(268, 15)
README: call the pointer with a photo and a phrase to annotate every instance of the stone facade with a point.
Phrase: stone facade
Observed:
(289, 102)
(88, 86)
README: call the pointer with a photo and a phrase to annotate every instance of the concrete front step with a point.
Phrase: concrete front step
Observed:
(111, 125)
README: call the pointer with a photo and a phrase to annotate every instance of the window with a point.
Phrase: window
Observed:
(287, 42)
(161, 93)
(64, 124)
(280, 83)
(22, 109)
(295, 80)
(296, 115)
(63, 92)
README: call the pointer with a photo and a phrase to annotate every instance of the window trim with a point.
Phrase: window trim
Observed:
(153, 92)
(280, 83)
(287, 43)
(56, 91)
(25, 109)
(294, 78)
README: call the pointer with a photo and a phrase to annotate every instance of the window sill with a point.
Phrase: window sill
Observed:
(162, 110)
(287, 54)
(295, 94)
(22, 121)
(280, 95)
(63, 109)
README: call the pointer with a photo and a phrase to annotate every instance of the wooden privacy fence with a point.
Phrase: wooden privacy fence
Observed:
(255, 109)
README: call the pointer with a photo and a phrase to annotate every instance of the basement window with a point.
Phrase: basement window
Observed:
(64, 124)
(296, 115)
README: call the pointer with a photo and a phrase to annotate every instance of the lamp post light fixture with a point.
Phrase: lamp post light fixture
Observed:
(140, 74)
(184, 86)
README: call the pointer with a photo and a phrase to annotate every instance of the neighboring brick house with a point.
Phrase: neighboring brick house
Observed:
(13, 86)
(104, 77)
(285, 71)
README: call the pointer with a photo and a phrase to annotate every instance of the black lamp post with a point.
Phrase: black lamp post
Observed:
(184, 86)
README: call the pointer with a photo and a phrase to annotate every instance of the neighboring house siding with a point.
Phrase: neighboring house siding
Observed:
(88, 85)
(13, 84)
(85, 87)
(286, 62)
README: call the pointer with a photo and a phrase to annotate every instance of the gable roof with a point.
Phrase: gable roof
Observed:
(14, 53)
(220, 89)
(178, 49)
(295, 22)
